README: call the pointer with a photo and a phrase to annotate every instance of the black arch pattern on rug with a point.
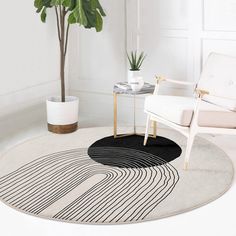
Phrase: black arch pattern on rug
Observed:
(122, 195)
(160, 147)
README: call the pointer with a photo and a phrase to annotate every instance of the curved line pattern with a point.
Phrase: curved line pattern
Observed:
(125, 194)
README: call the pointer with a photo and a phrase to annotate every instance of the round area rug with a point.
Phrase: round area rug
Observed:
(90, 177)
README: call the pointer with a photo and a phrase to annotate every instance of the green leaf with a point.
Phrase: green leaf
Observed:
(55, 2)
(44, 15)
(72, 5)
(38, 3)
(141, 62)
(66, 3)
(71, 19)
(140, 59)
(100, 8)
(79, 14)
(83, 18)
(130, 62)
(93, 5)
(39, 10)
(99, 22)
(133, 60)
(46, 3)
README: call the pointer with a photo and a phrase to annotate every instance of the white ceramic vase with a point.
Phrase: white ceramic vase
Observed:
(132, 74)
(137, 83)
(62, 117)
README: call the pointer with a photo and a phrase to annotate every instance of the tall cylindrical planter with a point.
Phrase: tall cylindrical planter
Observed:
(62, 117)
(132, 74)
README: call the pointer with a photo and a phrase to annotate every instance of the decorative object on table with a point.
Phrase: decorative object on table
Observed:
(136, 84)
(102, 180)
(62, 112)
(125, 88)
(134, 76)
(213, 110)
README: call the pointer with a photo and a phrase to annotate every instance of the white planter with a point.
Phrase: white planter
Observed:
(62, 117)
(132, 75)
(136, 84)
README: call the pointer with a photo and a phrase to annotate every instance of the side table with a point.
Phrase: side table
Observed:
(123, 88)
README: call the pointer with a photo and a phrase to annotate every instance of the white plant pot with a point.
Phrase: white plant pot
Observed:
(136, 84)
(132, 75)
(62, 117)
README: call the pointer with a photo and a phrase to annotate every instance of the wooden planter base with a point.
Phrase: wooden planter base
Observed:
(63, 129)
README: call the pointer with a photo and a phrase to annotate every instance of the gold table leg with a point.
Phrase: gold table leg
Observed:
(154, 129)
(115, 114)
(153, 135)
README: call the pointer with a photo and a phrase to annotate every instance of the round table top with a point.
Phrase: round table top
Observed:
(125, 88)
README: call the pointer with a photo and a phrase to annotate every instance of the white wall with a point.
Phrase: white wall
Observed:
(97, 61)
(100, 58)
(177, 36)
(28, 56)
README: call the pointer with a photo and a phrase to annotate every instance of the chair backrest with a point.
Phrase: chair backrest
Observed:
(219, 78)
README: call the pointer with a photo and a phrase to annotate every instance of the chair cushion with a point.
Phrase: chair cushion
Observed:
(226, 103)
(219, 78)
(179, 110)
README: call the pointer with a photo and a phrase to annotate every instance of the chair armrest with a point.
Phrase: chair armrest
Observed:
(162, 79)
(201, 93)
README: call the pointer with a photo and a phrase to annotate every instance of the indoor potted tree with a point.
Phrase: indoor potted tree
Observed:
(62, 112)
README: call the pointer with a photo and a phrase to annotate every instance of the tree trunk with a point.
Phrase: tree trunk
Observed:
(62, 55)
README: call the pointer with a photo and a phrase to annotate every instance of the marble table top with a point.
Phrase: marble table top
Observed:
(125, 88)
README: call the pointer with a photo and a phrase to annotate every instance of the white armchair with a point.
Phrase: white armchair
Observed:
(211, 110)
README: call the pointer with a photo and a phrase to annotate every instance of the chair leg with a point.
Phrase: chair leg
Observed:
(147, 130)
(188, 151)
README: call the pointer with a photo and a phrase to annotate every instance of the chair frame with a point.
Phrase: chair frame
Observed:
(194, 129)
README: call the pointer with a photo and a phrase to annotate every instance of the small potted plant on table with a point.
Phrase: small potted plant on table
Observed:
(62, 111)
(134, 77)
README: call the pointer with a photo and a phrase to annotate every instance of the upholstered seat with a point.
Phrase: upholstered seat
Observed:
(179, 110)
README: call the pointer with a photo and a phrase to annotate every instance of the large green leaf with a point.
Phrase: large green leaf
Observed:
(72, 5)
(93, 5)
(82, 19)
(66, 3)
(99, 22)
(71, 18)
(100, 8)
(38, 3)
(46, 3)
(55, 2)
(44, 14)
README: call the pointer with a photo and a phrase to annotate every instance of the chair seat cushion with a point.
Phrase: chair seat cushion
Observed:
(179, 110)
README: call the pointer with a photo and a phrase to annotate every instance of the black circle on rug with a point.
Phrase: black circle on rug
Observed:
(129, 152)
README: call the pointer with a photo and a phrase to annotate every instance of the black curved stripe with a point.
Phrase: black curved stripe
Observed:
(126, 193)
(84, 219)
